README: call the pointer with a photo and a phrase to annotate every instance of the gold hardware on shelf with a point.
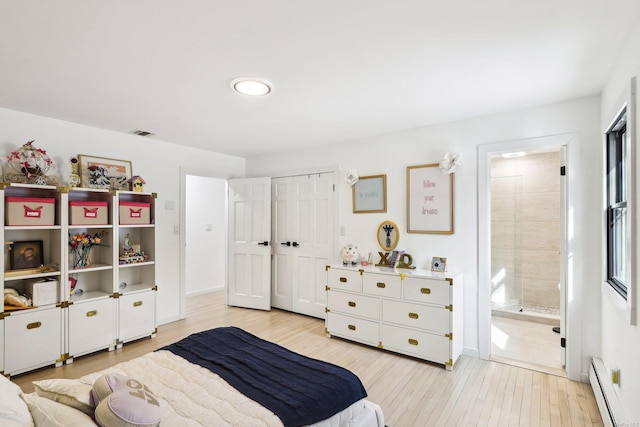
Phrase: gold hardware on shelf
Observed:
(381, 285)
(449, 307)
(425, 291)
(326, 310)
(449, 363)
(34, 325)
(154, 195)
(450, 281)
(352, 327)
(155, 288)
(361, 271)
(413, 315)
(449, 335)
(63, 357)
(155, 331)
(352, 304)
(343, 279)
(327, 288)
(116, 295)
(380, 344)
(64, 304)
(413, 341)
(137, 303)
(403, 275)
(3, 315)
(327, 267)
(92, 313)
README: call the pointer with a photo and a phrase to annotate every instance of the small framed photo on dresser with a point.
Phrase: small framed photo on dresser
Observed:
(438, 264)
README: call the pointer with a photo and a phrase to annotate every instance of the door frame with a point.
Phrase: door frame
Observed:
(572, 309)
(184, 171)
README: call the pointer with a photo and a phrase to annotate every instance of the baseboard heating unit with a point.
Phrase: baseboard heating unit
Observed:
(606, 397)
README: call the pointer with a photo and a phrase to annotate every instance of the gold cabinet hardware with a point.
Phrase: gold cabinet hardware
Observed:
(402, 276)
(449, 335)
(343, 279)
(34, 325)
(449, 307)
(352, 327)
(326, 310)
(381, 285)
(137, 303)
(326, 288)
(92, 313)
(352, 304)
(413, 341)
(425, 291)
(413, 315)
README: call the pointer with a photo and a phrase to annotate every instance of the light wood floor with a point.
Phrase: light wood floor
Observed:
(411, 392)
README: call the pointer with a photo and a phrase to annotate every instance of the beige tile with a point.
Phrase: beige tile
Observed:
(541, 235)
(541, 206)
(540, 263)
(503, 235)
(541, 292)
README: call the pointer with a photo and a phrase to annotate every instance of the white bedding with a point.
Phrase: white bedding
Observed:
(194, 396)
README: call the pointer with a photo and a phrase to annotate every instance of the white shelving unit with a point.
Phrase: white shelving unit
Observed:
(110, 304)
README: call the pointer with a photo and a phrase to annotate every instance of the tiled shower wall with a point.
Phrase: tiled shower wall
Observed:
(525, 230)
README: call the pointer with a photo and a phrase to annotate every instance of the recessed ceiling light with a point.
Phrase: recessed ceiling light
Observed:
(251, 86)
(514, 154)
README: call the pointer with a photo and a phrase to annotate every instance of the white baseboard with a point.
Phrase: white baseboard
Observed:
(471, 352)
(606, 398)
(204, 291)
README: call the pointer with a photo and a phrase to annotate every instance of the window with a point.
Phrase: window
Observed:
(618, 237)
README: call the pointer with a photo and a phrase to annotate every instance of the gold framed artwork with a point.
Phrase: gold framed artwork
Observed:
(370, 194)
(101, 172)
(429, 200)
(388, 235)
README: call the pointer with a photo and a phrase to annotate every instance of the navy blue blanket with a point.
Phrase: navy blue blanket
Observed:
(298, 389)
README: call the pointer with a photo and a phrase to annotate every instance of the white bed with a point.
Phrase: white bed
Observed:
(188, 395)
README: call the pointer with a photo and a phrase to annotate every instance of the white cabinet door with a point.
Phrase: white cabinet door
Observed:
(33, 339)
(136, 315)
(91, 326)
(249, 243)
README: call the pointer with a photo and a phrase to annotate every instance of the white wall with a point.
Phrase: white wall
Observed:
(156, 161)
(206, 234)
(391, 154)
(620, 339)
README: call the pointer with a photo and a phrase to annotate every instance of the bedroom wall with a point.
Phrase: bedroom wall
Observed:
(391, 154)
(156, 161)
(620, 339)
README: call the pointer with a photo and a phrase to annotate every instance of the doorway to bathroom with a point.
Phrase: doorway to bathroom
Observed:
(526, 196)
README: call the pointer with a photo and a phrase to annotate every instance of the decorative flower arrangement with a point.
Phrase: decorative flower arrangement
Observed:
(30, 163)
(81, 245)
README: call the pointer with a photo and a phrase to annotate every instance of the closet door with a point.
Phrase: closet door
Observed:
(303, 230)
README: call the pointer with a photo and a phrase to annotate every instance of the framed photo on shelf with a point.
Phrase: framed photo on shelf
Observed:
(429, 200)
(27, 255)
(438, 264)
(101, 172)
(370, 194)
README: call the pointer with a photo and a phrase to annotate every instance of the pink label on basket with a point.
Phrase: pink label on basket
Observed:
(91, 213)
(135, 213)
(32, 213)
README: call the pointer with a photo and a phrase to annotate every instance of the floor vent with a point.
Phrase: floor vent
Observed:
(608, 404)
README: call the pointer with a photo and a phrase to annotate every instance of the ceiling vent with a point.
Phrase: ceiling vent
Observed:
(141, 132)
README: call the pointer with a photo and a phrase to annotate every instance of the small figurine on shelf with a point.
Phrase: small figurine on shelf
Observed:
(349, 254)
(136, 183)
(74, 178)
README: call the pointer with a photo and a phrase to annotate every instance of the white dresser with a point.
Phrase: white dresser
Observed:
(413, 312)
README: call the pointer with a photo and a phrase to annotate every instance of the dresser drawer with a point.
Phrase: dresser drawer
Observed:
(384, 285)
(350, 280)
(432, 291)
(430, 318)
(424, 345)
(353, 304)
(364, 331)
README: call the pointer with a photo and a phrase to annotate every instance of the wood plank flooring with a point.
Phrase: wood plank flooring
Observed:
(411, 392)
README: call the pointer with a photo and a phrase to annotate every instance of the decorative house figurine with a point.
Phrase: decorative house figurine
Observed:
(136, 183)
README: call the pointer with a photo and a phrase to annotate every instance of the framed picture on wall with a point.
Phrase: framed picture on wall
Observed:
(429, 200)
(370, 194)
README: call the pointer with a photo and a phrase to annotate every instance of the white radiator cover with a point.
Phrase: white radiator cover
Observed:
(606, 397)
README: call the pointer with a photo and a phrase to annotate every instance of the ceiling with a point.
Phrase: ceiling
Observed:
(341, 69)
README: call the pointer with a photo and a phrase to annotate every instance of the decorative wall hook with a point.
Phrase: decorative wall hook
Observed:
(451, 161)
(352, 177)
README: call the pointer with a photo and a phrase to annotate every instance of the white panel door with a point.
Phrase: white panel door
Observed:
(303, 241)
(249, 239)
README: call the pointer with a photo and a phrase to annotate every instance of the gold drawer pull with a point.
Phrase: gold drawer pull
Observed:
(137, 303)
(381, 285)
(425, 291)
(92, 313)
(413, 315)
(34, 325)
(413, 342)
(343, 279)
(352, 327)
(352, 304)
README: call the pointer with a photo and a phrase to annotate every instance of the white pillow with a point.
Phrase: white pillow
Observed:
(13, 410)
(47, 413)
(74, 393)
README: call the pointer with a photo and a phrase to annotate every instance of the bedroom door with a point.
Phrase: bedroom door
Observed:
(302, 241)
(249, 267)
